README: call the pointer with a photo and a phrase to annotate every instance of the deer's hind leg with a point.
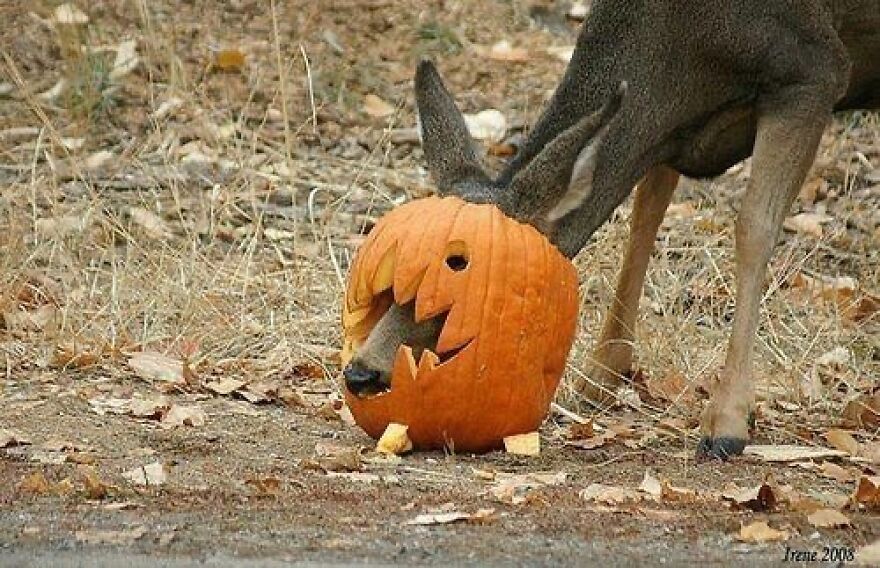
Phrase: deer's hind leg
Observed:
(613, 354)
(790, 125)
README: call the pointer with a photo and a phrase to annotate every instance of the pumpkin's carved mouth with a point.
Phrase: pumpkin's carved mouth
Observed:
(392, 327)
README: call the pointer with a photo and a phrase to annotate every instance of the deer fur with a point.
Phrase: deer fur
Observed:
(656, 89)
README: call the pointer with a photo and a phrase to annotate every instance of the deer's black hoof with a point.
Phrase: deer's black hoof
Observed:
(720, 448)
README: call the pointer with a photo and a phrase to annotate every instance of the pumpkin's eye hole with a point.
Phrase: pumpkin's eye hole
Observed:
(457, 262)
(456, 256)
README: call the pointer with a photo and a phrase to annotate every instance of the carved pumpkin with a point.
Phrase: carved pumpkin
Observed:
(511, 302)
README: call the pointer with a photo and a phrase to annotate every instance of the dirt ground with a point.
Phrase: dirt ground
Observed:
(175, 226)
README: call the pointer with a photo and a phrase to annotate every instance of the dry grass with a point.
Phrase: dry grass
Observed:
(220, 231)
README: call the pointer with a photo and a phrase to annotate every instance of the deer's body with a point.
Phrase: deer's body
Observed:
(710, 82)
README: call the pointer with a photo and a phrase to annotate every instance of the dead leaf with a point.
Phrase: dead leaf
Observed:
(514, 489)
(481, 515)
(523, 444)
(71, 355)
(670, 388)
(149, 408)
(790, 453)
(489, 125)
(843, 441)
(836, 472)
(152, 225)
(179, 415)
(337, 457)
(152, 474)
(504, 51)
(116, 538)
(760, 531)
(867, 492)
(869, 555)
(562, 52)
(651, 485)
(828, 518)
(156, 366)
(579, 431)
(126, 60)
(9, 438)
(760, 498)
(95, 487)
(806, 224)
(69, 14)
(683, 210)
(678, 494)
(811, 190)
(35, 483)
(376, 107)
(394, 440)
(864, 411)
(264, 485)
(609, 494)
(863, 308)
(593, 442)
(225, 385)
(229, 60)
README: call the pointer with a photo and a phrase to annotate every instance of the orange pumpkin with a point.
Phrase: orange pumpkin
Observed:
(511, 302)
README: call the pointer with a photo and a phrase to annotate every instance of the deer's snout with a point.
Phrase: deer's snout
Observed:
(361, 380)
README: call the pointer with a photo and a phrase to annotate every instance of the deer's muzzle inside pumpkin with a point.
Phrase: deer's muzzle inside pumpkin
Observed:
(510, 299)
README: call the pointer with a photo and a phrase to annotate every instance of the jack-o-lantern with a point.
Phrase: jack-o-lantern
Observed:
(510, 299)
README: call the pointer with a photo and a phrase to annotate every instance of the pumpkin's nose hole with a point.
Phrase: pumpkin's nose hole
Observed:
(457, 262)
(362, 380)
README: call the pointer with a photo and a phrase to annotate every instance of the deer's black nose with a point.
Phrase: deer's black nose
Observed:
(362, 380)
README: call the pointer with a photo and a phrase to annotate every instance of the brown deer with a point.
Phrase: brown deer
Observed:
(710, 83)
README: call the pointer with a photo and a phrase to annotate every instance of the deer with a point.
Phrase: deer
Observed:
(655, 90)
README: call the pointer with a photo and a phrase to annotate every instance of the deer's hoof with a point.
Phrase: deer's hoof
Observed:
(720, 448)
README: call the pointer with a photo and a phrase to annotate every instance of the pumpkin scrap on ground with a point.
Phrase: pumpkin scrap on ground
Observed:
(510, 301)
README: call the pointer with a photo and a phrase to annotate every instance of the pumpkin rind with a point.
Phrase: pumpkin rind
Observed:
(512, 313)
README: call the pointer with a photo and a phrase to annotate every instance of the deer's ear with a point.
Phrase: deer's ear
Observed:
(449, 148)
(560, 178)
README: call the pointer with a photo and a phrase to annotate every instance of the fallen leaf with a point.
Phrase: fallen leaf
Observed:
(593, 442)
(651, 485)
(425, 519)
(843, 441)
(156, 366)
(836, 472)
(9, 438)
(863, 308)
(225, 385)
(337, 457)
(864, 411)
(523, 444)
(95, 487)
(150, 474)
(828, 518)
(126, 60)
(394, 440)
(683, 210)
(760, 531)
(609, 494)
(514, 489)
(377, 108)
(869, 555)
(760, 498)
(806, 224)
(153, 226)
(264, 485)
(149, 407)
(35, 483)
(867, 492)
(790, 453)
(69, 14)
(579, 431)
(489, 125)
(179, 415)
(562, 52)
(678, 494)
(504, 51)
(229, 60)
(117, 538)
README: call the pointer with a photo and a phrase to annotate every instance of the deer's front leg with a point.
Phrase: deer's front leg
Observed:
(785, 147)
(613, 354)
